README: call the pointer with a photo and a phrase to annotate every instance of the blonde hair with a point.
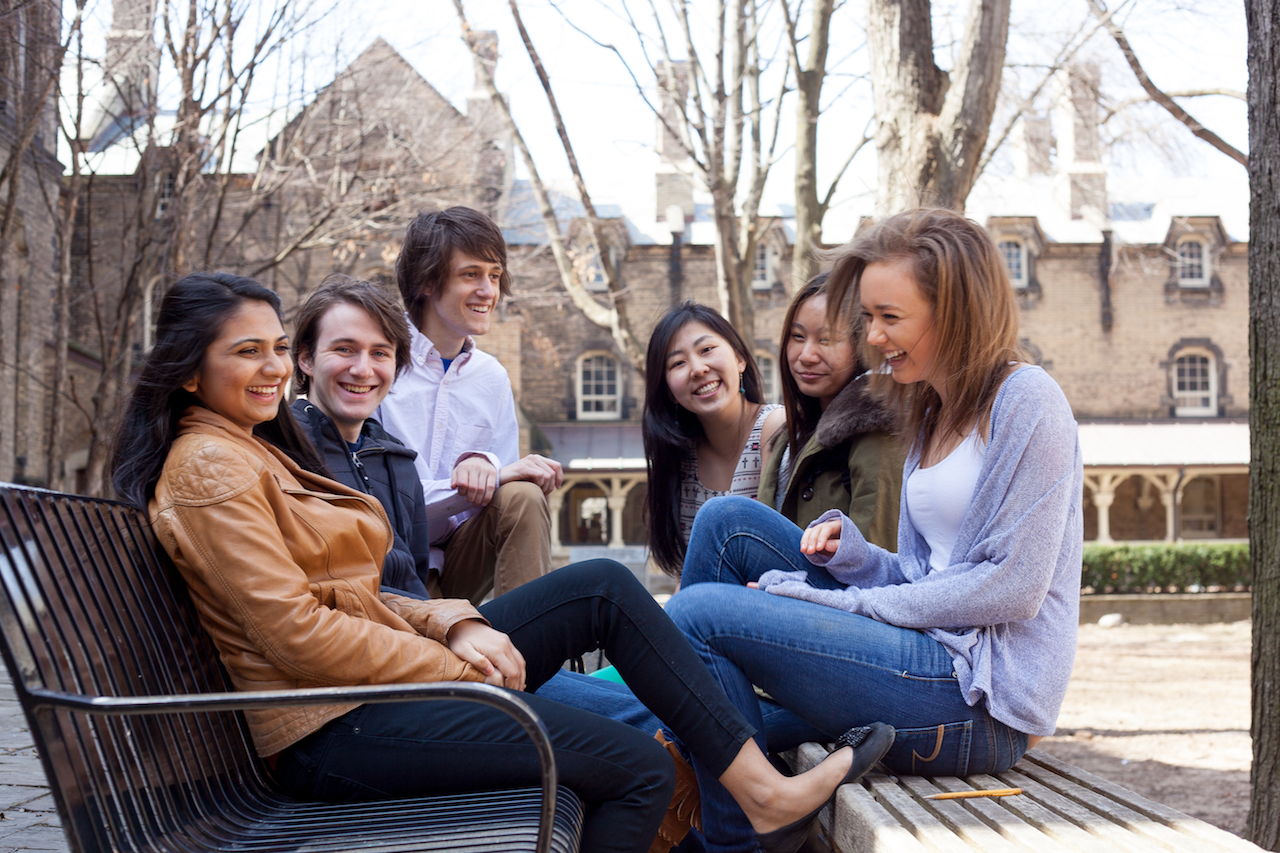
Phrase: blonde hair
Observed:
(962, 275)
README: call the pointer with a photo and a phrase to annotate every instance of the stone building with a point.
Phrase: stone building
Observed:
(331, 190)
(29, 34)
(1133, 297)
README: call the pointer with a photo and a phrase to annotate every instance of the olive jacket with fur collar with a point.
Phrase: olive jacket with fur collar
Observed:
(853, 463)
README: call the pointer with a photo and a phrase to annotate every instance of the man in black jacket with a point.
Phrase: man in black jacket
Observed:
(351, 343)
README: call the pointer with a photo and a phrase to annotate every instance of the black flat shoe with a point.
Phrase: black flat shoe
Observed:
(869, 743)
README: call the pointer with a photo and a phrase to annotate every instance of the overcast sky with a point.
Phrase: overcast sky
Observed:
(1196, 45)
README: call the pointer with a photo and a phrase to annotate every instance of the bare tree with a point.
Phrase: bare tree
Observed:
(32, 46)
(140, 231)
(614, 316)
(932, 126)
(1164, 99)
(719, 118)
(810, 76)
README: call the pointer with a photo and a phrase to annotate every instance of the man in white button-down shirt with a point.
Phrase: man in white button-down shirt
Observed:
(486, 505)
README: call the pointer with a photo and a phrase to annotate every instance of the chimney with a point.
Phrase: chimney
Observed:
(133, 57)
(1082, 184)
(1032, 141)
(673, 183)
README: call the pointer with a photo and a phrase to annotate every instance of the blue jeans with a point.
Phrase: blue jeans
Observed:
(831, 668)
(624, 776)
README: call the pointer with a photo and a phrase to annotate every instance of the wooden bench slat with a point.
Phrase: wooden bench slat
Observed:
(859, 823)
(920, 821)
(863, 825)
(1065, 818)
(1209, 836)
(1062, 810)
(994, 813)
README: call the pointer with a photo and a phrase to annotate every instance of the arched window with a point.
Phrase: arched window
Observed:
(769, 377)
(599, 388)
(1193, 264)
(1194, 382)
(1015, 261)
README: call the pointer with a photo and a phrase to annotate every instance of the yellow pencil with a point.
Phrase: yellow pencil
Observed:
(963, 795)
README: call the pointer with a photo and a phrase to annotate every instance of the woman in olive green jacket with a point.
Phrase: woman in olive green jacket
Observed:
(838, 450)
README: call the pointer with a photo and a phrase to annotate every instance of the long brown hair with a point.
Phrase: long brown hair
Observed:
(962, 275)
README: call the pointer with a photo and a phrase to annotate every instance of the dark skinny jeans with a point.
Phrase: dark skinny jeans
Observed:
(624, 777)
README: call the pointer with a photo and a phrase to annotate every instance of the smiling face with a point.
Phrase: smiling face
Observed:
(703, 370)
(821, 363)
(462, 304)
(244, 370)
(899, 322)
(351, 368)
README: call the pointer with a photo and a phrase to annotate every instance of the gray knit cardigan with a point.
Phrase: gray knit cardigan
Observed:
(1007, 606)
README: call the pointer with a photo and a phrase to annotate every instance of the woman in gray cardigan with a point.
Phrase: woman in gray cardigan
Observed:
(963, 640)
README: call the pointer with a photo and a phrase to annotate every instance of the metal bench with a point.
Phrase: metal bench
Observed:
(136, 721)
(1062, 810)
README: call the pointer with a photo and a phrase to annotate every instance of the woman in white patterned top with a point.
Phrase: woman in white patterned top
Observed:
(705, 420)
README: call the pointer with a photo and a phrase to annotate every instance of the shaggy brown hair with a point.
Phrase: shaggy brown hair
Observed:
(430, 243)
(378, 302)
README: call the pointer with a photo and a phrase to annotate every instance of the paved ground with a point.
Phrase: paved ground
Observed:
(28, 817)
(1160, 709)
(1164, 711)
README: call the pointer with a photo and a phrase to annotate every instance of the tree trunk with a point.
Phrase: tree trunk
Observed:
(810, 210)
(1264, 414)
(932, 129)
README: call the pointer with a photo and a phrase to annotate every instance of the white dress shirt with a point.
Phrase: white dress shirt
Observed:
(446, 417)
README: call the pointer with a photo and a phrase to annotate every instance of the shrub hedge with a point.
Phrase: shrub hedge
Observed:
(1182, 567)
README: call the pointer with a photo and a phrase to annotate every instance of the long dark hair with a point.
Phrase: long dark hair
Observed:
(671, 432)
(803, 411)
(190, 319)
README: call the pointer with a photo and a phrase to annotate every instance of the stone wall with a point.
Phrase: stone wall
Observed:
(1123, 371)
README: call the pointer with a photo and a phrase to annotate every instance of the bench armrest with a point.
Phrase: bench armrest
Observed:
(503, 700)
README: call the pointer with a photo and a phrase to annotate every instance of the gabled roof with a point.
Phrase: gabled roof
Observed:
(383, 80)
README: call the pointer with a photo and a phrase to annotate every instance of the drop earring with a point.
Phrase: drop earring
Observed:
(742, 383)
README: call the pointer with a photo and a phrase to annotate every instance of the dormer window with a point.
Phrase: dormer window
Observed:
(591, 271)
(1193, 264)
(1015, 261)
(1021, 243)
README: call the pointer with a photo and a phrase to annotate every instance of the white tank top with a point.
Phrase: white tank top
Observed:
(939, 496)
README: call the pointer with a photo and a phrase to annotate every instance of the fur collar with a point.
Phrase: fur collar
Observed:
(854, 411)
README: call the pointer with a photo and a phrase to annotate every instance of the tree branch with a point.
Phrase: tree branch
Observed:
(1160, 97)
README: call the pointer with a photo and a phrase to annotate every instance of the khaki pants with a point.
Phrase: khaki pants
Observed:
(508, 543)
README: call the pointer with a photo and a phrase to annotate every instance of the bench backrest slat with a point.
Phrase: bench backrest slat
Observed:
(89, 605)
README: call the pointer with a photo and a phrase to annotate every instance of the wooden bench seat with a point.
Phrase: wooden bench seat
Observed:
(1062, 810)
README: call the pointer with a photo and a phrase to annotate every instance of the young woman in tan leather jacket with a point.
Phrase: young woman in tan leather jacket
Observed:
(283, 565)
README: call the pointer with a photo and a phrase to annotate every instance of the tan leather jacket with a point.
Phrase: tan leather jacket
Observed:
(283, 566)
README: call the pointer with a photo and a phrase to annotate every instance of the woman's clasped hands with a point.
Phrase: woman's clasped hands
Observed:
(490, 651)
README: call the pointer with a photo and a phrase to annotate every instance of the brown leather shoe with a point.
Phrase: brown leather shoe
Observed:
(685, 811)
